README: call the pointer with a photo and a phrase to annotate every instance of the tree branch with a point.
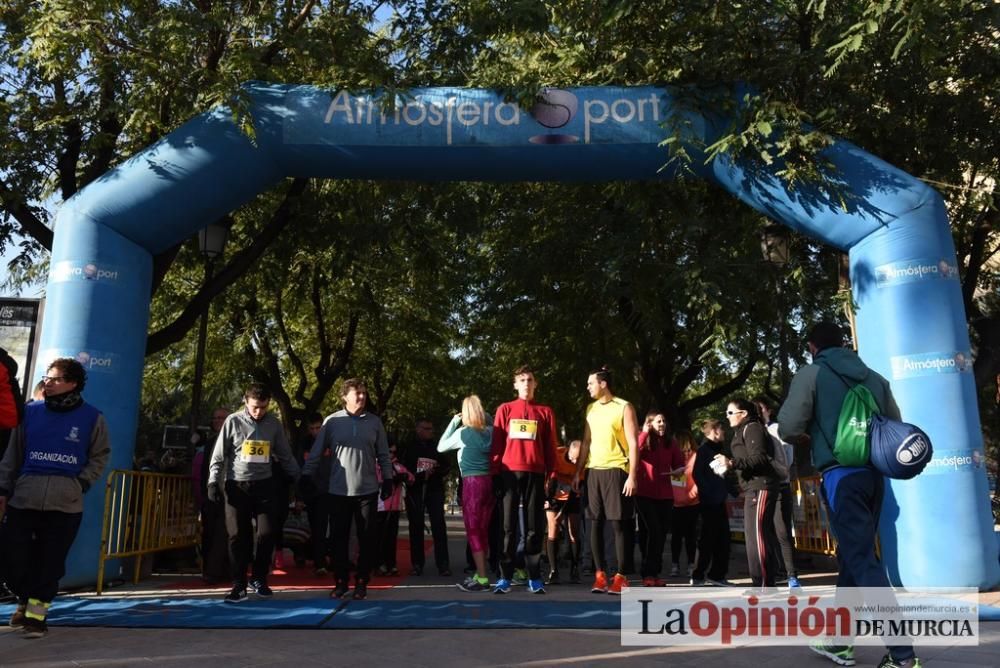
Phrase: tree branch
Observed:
(345, 350)
(161, 265)
(688, 375)
(722, 391)
(383, 393)
(279, 316)
(325, 350)
(109, 125)
(988, 221)
(72, 130)
(274, 48)
(238, 266)
(31, 225)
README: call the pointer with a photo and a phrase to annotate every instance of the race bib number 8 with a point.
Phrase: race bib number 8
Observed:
(255, 452)
(523, 429)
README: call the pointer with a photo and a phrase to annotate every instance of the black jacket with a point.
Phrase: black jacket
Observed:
(712, 489)
(417, 449)
(752, 452)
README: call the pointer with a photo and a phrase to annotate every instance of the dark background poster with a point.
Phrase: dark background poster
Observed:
(20, 320)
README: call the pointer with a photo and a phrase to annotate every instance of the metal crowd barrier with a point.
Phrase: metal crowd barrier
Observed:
(810, 525)
(146, 513)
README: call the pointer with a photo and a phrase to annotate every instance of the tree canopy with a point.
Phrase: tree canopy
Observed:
(433, 291)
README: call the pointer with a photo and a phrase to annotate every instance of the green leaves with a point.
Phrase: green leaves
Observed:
(456, 284)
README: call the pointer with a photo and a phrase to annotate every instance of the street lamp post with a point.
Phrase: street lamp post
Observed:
(775, 248)
(211, 243)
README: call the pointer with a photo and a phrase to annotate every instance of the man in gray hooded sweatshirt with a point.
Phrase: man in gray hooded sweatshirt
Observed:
(242, 460)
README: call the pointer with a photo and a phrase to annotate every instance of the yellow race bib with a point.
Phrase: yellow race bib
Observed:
(678, 481)
(523, 429)
(255, 452)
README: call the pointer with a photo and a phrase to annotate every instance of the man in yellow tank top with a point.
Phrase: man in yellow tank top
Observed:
(610, 453)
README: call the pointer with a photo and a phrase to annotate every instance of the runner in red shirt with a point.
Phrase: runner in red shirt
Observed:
(522, 456)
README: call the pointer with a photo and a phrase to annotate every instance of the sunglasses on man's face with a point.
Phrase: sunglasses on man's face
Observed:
(728, 413)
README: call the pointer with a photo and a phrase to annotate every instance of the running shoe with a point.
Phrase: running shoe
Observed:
(502, 586)
(520, 577)
(261, 589)
(37, 628)
(840, 655)
(237, 595)
(618, 583)
(675, 571)
(472, 584)
(794, 586)
(889, 662)
(360, 590)
(722, 582)
(17, 619)
(340, 591)
(553, 578)
(536, 587)
(697, 582)
(600, 583)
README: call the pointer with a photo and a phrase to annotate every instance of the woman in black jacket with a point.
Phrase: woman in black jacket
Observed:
(752, 453)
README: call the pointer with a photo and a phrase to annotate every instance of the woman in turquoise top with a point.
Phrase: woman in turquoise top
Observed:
(469, 432)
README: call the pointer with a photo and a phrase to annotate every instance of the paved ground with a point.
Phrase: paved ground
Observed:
(393, 648)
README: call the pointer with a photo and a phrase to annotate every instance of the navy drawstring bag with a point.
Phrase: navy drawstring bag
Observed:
(899, 450)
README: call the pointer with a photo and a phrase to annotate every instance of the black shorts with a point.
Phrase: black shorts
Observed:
(570, 506)
(604, 495)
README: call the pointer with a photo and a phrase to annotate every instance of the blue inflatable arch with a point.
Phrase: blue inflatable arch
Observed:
(937, 529)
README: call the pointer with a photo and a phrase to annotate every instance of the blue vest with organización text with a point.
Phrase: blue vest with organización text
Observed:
(57, 443)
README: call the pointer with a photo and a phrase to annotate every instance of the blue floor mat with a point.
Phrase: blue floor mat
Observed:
(989, 613)
(488, 614)
(323, 613)
(185, 613)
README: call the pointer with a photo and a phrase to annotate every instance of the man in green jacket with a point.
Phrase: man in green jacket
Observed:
(853, 494)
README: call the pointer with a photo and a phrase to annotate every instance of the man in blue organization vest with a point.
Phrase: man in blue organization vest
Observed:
(242, 460)
(54, 456)
(853, 494)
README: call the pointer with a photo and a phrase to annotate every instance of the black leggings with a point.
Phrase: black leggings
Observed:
(597, 542)
(655, 517)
